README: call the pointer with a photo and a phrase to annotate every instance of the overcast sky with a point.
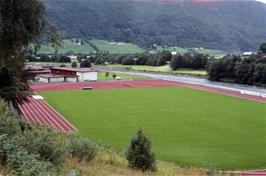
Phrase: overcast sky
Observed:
(262, 1)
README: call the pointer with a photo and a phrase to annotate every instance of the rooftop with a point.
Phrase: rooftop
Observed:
(56, 76)
(74, 69)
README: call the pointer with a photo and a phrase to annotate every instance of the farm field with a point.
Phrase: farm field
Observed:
(69, 45)
(185, 50)
(199, 128)
(86, 48)
(165, 68)
(112, 48)
(101, 76)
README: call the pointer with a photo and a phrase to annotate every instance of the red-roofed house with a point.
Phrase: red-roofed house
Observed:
(66, 74)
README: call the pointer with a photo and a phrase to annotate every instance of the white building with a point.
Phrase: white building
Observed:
(65, 74)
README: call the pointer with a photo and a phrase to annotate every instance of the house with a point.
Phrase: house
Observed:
(246, 54)
(32, 71)
(174, 53)
(65, 74)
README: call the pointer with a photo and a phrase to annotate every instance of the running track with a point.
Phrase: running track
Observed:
(138, 84)
(253, 173)
(39, 112)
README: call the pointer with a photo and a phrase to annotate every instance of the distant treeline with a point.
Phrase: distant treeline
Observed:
(248, 70)
(48, 58)
(231, 68)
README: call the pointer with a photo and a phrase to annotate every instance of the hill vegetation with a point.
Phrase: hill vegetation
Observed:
(215, 25)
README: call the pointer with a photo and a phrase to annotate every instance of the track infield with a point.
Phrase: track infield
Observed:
(188, 127)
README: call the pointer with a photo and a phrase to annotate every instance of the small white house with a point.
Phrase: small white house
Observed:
(83, 74)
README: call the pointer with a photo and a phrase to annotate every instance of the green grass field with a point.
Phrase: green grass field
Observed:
(101, 76)
(126, 48)
(102, 45)
(187, 127)
(83, 49)
(165, 68)
(185, 50)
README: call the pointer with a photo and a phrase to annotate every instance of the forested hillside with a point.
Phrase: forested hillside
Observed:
(227, 25)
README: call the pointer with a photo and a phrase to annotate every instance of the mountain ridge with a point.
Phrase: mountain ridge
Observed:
(217, 25)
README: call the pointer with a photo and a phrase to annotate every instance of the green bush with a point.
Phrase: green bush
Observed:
(82, 148)
(85, 64)
(43, 142)
(18, 162)
(139, 154)
(74, 64)
(114, 76)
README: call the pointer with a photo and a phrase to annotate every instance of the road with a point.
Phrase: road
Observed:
(246, 89)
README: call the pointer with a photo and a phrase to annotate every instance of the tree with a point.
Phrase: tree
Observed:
(263, 47)
(114, 76)
(99, 61)
(74, 64)
(128, 61)
(244, 73)
(64, 59)
(216, 70)
(11, 89)
(85, 64)
(139, 154)
(259, 74)
(107, 75)
(178, 61)
(22, 27)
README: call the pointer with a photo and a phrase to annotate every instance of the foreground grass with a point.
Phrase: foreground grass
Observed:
(187, 127)
(101, 76)
(109, 162)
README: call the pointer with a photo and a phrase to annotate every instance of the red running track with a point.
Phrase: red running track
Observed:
(137, 84)
(253, 173)
(39, 112)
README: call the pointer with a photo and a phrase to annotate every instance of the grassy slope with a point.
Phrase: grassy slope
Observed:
(186, 126)
(84, 49)
(128, 48)
(101, 76)
(109, 162)
(102, 45)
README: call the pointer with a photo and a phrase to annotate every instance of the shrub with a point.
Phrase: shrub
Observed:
(114, 76)
(43, 142)
(139, 154)
(82, 148)
(74, 64)
(107, 74)
(18, 161)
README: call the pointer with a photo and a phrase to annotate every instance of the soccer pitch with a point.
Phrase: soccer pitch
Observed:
(187, 127)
